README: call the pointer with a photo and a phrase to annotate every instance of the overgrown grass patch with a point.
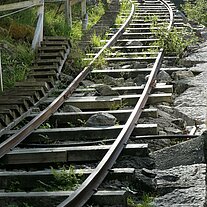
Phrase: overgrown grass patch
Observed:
(196, 11)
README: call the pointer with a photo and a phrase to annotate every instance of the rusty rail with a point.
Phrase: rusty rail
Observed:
(90, 185)
(17, 138)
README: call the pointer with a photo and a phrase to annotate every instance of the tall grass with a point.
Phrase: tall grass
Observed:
(17, 31)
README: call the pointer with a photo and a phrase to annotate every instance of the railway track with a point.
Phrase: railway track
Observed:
(93, 124)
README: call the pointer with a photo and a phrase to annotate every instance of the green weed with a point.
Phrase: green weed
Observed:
(66, 178)
(175, 41)
(196, 11)
(45, 126)
(146, 202)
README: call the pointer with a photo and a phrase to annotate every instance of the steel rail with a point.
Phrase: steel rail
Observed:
(79, 197)
(17, 138)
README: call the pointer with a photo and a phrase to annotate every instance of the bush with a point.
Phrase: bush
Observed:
(196, 11)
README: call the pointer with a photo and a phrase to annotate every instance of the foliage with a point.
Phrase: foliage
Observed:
(14, 186)
(18, 30)
(55, 24)
(124, 7)
(66, 178)
(96, 40)
(45, 126)
(196, 11)
(174, 41)
(15, 62)
(146, 202)
(100, 62)
(95, 13)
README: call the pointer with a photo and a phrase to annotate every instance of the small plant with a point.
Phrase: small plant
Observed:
(100, 62)
(116, 106)
(124, 5)
(119, 20)
(66, 178)
(70, 124)
(174, 41)
(146, 202)
(95, 13)
(45, 126)
(82, 122)
(45, 139)
(196, 11)
(14, 186)
(96, 40)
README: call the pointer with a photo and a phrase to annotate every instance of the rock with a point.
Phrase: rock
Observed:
(172, 130)
(134, 43)
(105, 90)
(66, 79)
(139, 80)
(148, 173)
(144, 183)
(186, 63)
(166, 109)
(69, 108)
(181, 86)
(182, 74)
(179, 122)
(181, 186)
(87, 83)
(108, 80)
(101, 119)
(187, 153)
(129, 82)
(203, 34)
(138, 65)
(163, 77)
(126, 66)
(162, 133)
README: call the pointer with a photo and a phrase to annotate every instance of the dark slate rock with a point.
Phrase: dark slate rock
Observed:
(182, 74)
(105, 90)
(101, 119)
(163, 76)
(185, 153)
(69, 108)
(181, 186)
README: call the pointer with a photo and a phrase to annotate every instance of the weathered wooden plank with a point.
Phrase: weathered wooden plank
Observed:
(109, 102)
(68, 154)
(30, 179)
(87, 133)
(63, 118)
(50, 199)
(133, 72)
(20, 5)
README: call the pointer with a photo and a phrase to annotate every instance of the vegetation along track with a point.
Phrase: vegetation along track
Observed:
(98, 146)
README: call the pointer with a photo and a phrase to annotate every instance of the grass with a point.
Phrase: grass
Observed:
(65, 179)
(175, 41)
(15, 62)
(17, 32)
(146, 202)
(196, 11)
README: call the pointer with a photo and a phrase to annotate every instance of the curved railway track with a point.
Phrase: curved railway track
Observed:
(34, 148)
